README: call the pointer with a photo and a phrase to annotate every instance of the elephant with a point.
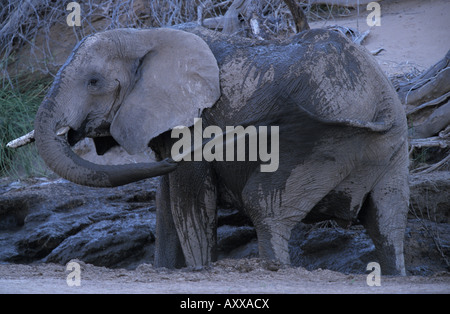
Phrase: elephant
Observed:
(342, 134)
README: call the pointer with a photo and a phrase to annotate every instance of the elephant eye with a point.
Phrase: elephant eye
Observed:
(93, 82)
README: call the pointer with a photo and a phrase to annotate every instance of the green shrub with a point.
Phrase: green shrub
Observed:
(18, 108)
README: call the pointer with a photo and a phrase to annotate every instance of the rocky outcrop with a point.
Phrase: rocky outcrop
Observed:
(55, 221)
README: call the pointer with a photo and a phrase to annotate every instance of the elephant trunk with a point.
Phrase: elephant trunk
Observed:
(55, 150)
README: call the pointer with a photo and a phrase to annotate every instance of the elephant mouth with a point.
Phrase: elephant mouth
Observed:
(102, 137)
(73, 136)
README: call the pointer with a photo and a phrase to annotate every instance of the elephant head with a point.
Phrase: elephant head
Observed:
(132, 85)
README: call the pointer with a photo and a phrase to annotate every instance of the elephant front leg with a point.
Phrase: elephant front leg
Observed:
(193, 207)
(168, 252)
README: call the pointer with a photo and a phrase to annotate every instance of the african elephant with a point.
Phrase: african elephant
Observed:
(342, 141)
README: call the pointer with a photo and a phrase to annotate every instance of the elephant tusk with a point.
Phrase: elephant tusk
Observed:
(29, 138)
(21, 141)
(63, 131)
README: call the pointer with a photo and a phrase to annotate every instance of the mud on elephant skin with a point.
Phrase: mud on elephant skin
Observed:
(342, 133)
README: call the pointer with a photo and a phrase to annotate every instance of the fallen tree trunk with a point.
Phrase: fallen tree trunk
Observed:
(427, 99)
(427, 89)
(437, 121)
(406, 88)
(427, 103)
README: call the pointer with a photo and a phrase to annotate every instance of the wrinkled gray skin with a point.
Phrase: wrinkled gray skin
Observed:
(343, 147)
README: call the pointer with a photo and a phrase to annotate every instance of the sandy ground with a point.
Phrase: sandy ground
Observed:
(246, 276)
(412, 33)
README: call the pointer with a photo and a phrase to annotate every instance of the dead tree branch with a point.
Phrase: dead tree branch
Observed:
(232, 24)
(434, 81)
(427, 99)
(301, 23)
(427, 102)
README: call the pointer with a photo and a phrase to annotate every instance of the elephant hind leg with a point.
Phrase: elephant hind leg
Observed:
(384, 216)
(269, 216)
(276, 203)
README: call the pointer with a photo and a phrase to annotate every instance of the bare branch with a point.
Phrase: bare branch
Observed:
(299, 16)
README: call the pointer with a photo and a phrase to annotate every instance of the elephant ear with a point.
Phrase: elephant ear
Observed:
(176, 78)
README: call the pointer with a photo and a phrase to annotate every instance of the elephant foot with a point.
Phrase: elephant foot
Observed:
(273, 245)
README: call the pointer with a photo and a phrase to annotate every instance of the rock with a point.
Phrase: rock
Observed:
(123, 240)
(430, 196)
(333, 248)
(232, 217)
(231, 237)
(245, 250)
(56, 221)
(427, 247)
(236, 236)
